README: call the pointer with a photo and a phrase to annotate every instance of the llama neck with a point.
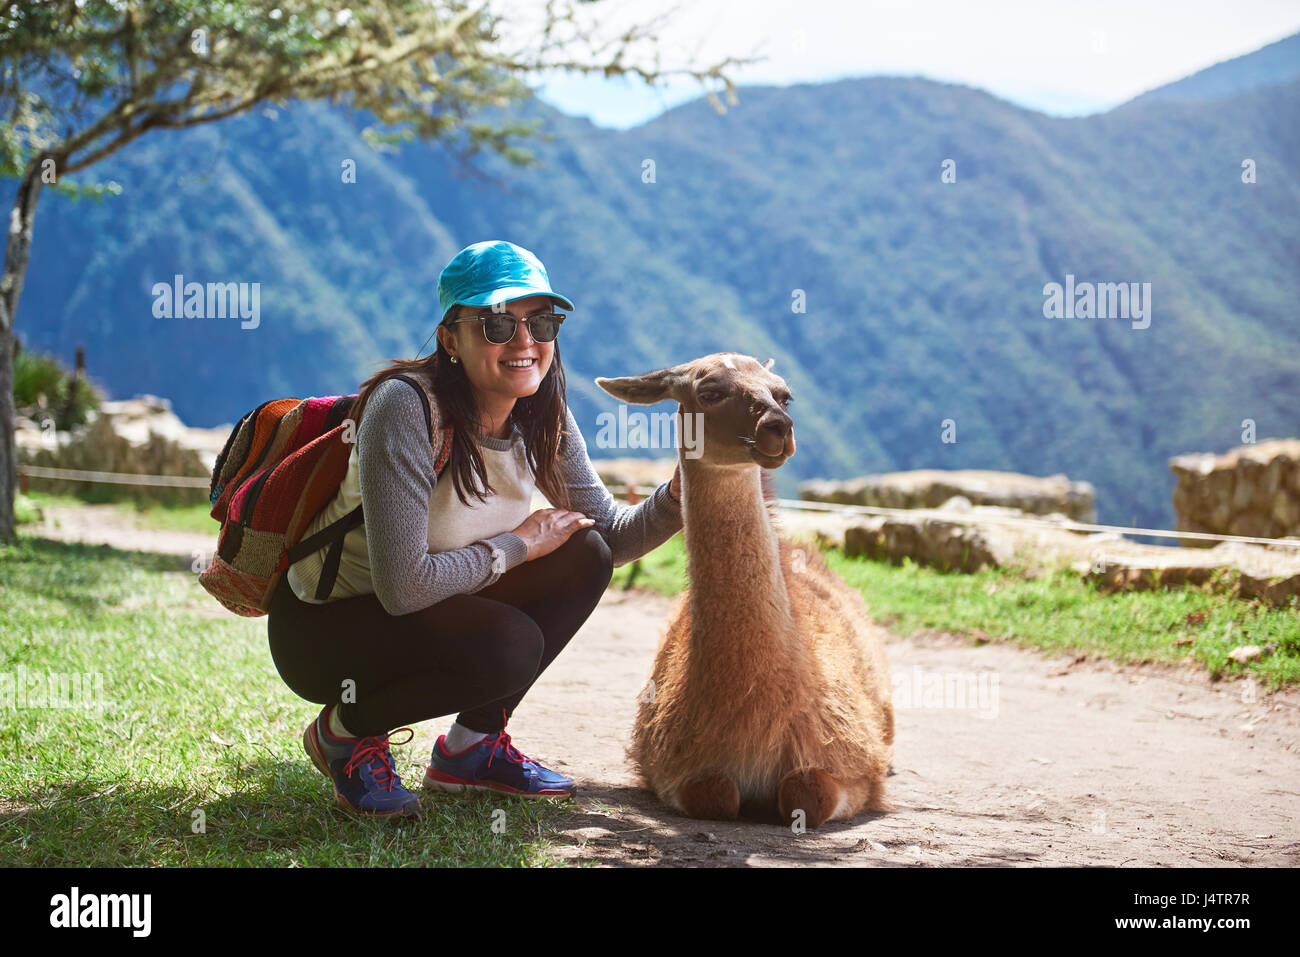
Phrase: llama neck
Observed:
(737, 586)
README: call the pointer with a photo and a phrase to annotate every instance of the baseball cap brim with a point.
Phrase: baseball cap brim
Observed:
(508, 294)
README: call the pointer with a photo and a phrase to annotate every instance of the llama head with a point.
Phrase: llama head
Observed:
(739, 404)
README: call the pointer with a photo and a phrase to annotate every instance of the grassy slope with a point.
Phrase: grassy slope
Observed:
(1062, 613)
(201, 721)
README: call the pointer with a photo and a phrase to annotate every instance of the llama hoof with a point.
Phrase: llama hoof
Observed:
(714, 798)
(812, 791)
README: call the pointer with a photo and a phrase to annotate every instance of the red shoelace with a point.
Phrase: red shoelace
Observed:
(376, 748)
(502, 742)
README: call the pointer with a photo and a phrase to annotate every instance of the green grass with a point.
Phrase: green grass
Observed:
(200, 721)
(26, 509)
(1060, 612)
(662, 571)
(178, 518)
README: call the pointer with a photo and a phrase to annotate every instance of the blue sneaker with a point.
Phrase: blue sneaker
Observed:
(494, 764)
(362, 770)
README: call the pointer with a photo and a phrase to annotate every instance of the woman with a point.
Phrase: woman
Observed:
(452, 597)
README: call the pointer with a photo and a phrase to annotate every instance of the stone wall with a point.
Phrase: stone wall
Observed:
(929, 541)
(139, 421)
(1253, 490)
(930, 488)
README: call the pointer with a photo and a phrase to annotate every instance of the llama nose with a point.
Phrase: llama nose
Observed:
(775, 435)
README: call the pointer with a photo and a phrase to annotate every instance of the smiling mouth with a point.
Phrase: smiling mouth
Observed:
(517, 364)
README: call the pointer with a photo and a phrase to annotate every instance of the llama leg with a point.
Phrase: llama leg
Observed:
(713, 797)
(865, 794)
(812, 791)
(888, 732)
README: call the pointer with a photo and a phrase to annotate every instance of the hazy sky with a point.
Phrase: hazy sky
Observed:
(1059, 57)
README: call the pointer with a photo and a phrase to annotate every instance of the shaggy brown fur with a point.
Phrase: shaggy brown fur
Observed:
(770, 689)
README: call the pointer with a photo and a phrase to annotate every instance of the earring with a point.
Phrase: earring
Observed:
(454, 359)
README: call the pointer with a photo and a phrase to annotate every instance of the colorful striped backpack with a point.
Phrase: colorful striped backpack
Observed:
(282, 464)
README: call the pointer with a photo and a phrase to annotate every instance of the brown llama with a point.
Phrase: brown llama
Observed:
(770, 692)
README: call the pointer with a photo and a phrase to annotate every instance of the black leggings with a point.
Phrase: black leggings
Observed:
(474, 653)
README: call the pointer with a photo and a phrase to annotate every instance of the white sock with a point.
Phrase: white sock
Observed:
(336, 726)
(460, 737)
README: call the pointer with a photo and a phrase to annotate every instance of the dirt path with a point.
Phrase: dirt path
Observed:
(1046, 761)
(1075, 763)
(109, 525)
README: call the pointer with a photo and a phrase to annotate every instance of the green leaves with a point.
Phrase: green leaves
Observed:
(93, 191)
(41, 381)
(85, 79)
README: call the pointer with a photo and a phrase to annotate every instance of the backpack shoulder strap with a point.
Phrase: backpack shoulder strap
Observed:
(442, 440)
(333, 534)
(424, 400)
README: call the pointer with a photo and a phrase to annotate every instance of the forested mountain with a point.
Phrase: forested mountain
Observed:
(924, 299)
(1276, 63)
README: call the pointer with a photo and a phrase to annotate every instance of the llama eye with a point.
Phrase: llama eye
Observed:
(785, 403)
(710, 396)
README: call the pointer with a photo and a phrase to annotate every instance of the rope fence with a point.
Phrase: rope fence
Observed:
(965, 518)
(114, 478)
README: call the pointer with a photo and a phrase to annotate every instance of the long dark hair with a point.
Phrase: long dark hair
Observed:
(540, 416)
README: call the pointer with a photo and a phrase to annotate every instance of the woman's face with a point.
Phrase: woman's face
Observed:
(486, 363)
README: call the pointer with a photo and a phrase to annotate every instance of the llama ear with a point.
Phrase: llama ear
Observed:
(645, 389)
(768, 364)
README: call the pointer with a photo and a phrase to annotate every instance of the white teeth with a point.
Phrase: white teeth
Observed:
(520, 364)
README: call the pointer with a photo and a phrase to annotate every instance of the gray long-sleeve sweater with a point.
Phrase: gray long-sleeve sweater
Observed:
(396, 477)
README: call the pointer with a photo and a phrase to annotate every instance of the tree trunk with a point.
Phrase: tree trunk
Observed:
(18, 248)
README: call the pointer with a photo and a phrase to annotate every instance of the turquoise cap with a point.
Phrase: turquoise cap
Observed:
(492, 272)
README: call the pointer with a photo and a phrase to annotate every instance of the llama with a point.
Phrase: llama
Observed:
(770, 692)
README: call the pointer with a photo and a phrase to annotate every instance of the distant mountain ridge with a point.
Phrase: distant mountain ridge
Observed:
(1276, 63)
(924, 299)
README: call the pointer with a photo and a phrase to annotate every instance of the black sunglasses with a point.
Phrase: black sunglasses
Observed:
(500, 327)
